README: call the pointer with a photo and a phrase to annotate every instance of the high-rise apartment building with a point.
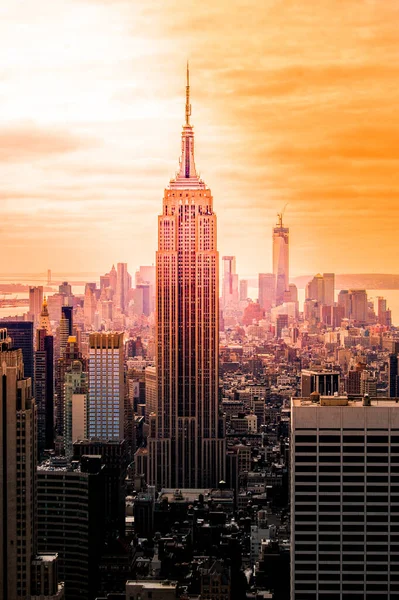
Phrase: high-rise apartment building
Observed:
(21, 334)
(186, 442)
(35, 303)
(281, 259)
(266, 290)
(18, 459)
(106, 387)
(344, 498)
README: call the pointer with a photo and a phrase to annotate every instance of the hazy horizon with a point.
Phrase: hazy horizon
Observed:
(291, 102)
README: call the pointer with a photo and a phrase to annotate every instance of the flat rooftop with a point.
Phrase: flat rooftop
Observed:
(159, 585)
(345, 401)
(192, 494)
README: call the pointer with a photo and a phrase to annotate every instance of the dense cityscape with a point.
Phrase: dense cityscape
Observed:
(164, 435)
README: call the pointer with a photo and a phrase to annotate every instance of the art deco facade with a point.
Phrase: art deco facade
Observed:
(186, 445)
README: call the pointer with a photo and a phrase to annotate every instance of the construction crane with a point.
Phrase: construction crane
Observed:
(280, 215)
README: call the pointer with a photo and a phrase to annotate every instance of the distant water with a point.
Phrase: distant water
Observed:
(392, 296)
(20, 310)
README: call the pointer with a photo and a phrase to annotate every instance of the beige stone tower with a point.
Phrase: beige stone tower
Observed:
(186, 445)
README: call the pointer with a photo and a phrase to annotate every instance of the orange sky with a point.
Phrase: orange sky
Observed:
(293, 101)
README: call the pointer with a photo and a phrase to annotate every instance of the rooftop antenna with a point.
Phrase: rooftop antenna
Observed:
(188, 105)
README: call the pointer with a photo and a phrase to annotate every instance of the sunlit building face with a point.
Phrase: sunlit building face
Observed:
(184, 447)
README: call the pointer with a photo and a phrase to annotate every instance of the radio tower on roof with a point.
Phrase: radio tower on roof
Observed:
(186, 443)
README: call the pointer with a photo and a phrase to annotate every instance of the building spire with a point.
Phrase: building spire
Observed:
(44, 322)
(188, 105)
(187, 177)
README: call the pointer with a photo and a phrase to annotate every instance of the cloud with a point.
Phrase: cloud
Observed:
(29, 142)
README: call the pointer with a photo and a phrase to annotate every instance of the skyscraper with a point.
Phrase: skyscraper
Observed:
(71, 353)
(315, 289)
(90, 306)
(21, 334)
(358, 305)
(18, 458)
(75, 405)
(123, 284)
(142, 299)
(344, 498)
(344, 302)
(230, 283)
(281, 259)
(44, 381)
(243, 290)
(186, 442)
(71, 521)
(35, 302)
(106, 387)
(66, 327)
(266, 290)
(329, 288)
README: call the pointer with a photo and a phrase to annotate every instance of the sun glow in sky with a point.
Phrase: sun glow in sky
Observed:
(292, 102)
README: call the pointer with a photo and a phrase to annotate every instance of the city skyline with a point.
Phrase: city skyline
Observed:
(89, 120)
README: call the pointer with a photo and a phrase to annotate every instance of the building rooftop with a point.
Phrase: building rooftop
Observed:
(192, 494)
(45, 558)
(345, 401)
(151, 584)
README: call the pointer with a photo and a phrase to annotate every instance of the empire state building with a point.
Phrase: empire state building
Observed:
(186, 446)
